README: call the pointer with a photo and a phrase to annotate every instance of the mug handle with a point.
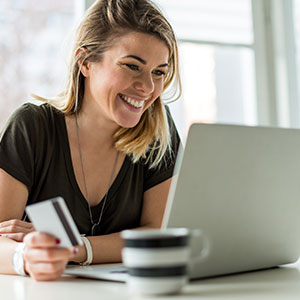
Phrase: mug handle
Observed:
(203, 254)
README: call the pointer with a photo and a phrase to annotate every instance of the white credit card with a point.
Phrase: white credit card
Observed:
(53, 217)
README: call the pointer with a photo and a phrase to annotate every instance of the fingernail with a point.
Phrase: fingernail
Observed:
(57, 241)
(75, 250)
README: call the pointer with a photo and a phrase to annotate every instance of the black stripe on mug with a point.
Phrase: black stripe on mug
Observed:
(163, 242)
(158, 272)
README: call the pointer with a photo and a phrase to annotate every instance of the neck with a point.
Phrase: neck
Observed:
(94, 126)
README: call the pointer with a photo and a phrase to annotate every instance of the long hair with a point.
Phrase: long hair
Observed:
(103, 22)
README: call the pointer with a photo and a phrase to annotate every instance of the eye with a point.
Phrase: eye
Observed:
(159, 73)
(132, 67)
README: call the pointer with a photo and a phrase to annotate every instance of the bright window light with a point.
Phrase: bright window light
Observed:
(32, 56)
(217, 61)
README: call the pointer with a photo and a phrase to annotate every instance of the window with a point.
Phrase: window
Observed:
(297, 34)
(217, 61)
(32, 34)
(238, 61)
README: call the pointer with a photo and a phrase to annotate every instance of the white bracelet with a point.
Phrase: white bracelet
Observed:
(89, 251)
(18, 260)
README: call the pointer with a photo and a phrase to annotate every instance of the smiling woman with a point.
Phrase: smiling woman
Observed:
(122, 86)
(107, 144)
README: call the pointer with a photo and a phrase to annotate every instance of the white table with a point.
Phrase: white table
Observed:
(280, 283)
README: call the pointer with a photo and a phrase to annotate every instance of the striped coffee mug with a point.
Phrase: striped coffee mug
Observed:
(157, 259)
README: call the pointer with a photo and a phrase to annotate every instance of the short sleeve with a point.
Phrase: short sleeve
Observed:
(18, 140)
(165, 169)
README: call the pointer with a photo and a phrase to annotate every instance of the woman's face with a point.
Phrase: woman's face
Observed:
(128, 79)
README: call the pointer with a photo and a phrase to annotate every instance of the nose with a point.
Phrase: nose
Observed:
(145, 84)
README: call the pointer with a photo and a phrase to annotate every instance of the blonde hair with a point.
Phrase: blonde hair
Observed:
(104, 21)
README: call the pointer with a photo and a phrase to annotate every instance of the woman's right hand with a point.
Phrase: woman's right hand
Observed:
(43, 260)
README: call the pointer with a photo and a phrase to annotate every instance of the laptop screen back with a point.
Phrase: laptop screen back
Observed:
(241, 186)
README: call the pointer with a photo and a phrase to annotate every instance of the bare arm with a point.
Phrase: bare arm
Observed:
(109, 246)
(13, 196)
(43, 260)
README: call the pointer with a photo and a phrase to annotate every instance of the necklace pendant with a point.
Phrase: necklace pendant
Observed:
(93, 228)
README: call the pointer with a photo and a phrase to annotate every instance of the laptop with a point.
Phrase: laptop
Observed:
(241, 186)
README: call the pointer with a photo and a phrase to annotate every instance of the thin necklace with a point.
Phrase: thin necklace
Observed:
(94, 225)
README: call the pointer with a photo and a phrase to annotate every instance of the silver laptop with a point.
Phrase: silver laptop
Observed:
(241, 186)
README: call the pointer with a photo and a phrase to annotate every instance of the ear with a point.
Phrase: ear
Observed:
(83, 64)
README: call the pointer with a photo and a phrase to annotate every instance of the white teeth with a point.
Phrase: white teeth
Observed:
(135, 103)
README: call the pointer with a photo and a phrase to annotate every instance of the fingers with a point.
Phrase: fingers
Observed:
(43, 259)
(15, 226)
(44, 271)
(39, 239)
(20, 230)
(16, 222)
(18, 237)
(48, 255)
(15, 229)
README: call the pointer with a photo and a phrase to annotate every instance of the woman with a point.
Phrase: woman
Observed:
(107, 144)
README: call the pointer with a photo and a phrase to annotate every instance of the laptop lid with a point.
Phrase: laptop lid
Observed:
(241, 186)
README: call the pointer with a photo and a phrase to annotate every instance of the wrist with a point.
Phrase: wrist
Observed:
(80, 256)
(18, 262)
(89, 252)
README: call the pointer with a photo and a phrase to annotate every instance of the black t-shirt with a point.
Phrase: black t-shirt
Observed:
(34, 149)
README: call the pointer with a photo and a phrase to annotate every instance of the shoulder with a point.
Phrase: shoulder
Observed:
(29, 120)
(32, 115)
(30, 111)
(174, 136)
(174, 139)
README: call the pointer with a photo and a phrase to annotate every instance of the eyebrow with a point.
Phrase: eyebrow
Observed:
(143, 61)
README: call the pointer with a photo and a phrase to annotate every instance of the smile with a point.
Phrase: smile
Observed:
(135, 103)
